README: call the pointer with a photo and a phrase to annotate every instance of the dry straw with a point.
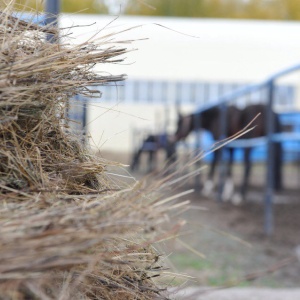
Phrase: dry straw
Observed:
(67, 231)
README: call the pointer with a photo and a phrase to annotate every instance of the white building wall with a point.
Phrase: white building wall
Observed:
(189, 50)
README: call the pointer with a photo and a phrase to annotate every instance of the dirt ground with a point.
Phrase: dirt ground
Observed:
(233, 241)
(232, 238)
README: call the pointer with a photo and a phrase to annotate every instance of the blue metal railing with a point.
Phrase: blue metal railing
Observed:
(228, 97)
(270, 137)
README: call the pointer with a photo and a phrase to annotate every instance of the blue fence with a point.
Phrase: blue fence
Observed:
(269, 86)
(290, 122)
(29, 17)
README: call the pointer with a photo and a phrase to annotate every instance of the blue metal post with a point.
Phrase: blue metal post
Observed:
(269, 226)
(52, 9)
(197, 119)
(84, 119)
(223, 126)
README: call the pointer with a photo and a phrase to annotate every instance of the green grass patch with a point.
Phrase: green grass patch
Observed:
(190, 261)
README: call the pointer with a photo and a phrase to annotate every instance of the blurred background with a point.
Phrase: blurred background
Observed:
(188, 52)
(229, 9)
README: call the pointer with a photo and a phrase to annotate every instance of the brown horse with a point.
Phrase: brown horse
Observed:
(236, 120)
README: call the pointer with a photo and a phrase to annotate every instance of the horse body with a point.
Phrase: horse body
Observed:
(236, 120)
(210, 120)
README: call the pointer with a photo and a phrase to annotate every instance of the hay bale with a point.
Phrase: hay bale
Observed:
(67, 231)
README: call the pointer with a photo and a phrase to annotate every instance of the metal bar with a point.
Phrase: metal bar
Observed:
(52, 9)
(269, 220)
(198, 121)
(223, 126)
(248, 89)
(262, 141)
(84, 119)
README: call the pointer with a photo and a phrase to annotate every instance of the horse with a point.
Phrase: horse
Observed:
(236, 119)
(150, 145)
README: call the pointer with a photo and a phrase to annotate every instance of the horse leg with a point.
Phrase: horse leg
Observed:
(170, 153)
(238, 198)
(277, 166)
(170, 156)
(150, 160)
(136, 160)
(228, 189)
(209, 183)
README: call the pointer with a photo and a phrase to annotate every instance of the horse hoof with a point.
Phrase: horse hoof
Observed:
(228, 190)
(208, 188)
(237, 199)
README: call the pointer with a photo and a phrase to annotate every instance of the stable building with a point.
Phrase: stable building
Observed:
(183, 61)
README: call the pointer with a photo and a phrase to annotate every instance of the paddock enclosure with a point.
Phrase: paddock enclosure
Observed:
(195, 64)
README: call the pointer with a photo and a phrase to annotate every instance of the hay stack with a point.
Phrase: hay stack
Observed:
(65, 232)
